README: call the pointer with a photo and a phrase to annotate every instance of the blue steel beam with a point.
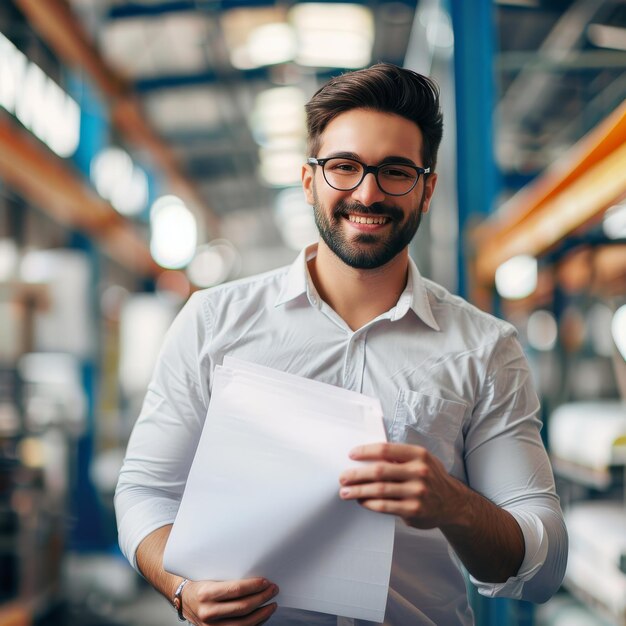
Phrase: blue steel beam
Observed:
(478, 183)
(477, 179)
(131, 10)
(209, 77)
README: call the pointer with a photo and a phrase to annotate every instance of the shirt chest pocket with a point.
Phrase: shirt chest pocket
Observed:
(428, 421)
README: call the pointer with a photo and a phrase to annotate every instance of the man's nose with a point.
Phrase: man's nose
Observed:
(368, 192)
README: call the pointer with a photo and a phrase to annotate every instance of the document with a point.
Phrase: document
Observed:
(262, 496)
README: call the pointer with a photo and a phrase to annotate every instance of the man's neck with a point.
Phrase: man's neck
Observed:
(358, 296)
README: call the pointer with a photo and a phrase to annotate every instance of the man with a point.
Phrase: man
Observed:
(464, 469)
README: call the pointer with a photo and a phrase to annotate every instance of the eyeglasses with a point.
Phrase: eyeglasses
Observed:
(394, 179)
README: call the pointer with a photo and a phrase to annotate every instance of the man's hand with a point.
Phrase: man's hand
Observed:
(230, 603)
(408, 481)
(404, 480)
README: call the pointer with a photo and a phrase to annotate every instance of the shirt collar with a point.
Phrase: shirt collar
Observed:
(415, 297)
(298, 281)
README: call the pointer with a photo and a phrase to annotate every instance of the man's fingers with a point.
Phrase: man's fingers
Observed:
(383, 490)
(385, 451)
(255, 618)
(383, 471)
(242, 607)
(401, 508)
(236, 589)
(237, 609)
(260, 616)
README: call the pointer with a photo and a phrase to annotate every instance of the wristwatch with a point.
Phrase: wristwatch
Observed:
(178, 600)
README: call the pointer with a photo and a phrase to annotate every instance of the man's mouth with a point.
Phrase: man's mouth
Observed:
(367, 219)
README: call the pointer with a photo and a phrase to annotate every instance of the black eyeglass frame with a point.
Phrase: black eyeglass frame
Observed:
(371, 169)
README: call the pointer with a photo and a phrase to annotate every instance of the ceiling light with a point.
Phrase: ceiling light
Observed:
(517, 277)
(333, 35)
(614, 222)
(605, 36)
(120, 181)
(244, 33)
(173, 232)
(271, 44)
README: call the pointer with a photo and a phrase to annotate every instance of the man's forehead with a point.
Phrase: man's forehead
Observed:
(372, 134)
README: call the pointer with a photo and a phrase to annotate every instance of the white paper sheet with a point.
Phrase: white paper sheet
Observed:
(262, 494)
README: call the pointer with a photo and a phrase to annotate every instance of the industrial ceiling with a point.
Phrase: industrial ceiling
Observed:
(221, 85)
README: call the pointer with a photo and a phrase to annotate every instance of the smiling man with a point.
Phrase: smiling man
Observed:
(464, 470)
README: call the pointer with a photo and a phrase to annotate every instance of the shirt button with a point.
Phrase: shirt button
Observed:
(313, 300)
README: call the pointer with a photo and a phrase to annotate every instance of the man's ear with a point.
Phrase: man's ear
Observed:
(308, 182)
(430, 182)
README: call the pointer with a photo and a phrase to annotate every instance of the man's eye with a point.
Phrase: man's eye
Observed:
(394, 172)
(348, 168)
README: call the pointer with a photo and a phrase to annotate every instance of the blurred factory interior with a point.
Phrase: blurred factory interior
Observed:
(150, 148)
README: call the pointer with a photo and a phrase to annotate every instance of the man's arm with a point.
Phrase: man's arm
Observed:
(409, 482)
(207, 602)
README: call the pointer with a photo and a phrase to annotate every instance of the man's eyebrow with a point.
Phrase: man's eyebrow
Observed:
(343, 155)
(387, 159)
(398, 159)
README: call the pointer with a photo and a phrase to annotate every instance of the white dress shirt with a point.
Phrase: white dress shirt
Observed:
(449, 377)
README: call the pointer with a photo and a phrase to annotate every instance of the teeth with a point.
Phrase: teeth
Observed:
(367, 220)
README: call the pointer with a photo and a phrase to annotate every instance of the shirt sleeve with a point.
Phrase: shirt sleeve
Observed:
(164, 439)
(506, 462)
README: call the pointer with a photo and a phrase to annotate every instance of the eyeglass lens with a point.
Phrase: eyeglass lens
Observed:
(346, 174)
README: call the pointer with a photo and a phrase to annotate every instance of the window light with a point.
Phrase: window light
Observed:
(37, 101)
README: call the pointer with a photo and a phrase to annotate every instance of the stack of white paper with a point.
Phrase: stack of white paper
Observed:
(262, 494)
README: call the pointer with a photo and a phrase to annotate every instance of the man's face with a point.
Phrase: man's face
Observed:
(342, 216)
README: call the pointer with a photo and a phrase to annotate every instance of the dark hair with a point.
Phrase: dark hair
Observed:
(382, 87)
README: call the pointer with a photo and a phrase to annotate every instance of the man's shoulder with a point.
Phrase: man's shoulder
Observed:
(261, 284)
(459, 311)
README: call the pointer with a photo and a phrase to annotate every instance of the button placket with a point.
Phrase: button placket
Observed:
(354, 363)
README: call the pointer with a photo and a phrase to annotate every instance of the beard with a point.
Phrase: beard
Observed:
(366, 251)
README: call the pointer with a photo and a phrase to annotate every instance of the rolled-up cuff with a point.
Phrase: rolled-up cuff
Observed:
(142, 519)
(536, 551)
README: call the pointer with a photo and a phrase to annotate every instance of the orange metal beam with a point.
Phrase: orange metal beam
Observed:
(54, 21)
(578, 188)
(60, 28)
(48, 182)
